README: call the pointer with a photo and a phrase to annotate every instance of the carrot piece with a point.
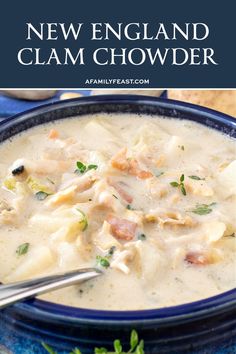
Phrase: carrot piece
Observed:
(197, 258)
(131, 166)
(118, 187)
(53, 134)
(144, 174)
(120, 161)
(121, 228)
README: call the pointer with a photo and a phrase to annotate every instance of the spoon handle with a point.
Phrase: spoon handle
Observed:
(14, 292)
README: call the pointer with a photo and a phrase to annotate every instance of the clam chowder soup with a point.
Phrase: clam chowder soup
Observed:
(150, 201)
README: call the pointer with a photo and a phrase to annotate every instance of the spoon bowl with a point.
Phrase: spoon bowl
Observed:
(23, 290)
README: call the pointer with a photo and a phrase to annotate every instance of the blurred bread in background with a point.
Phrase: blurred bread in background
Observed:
(220, 100)
(31, 95)
(156, 93)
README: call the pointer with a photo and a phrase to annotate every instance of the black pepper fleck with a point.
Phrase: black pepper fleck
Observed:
(18, 170)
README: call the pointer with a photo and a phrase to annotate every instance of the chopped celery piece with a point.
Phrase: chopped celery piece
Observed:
(10, 183)
(84, 221)
(36, 186)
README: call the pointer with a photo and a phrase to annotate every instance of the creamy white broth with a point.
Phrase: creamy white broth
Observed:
(157, 246)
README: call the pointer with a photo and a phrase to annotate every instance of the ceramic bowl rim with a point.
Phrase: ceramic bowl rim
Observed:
(215, 304)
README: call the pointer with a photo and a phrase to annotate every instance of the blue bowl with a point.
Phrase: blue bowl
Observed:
(207, 326)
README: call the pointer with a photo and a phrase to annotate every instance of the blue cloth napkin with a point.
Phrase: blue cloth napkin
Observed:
(10, 106)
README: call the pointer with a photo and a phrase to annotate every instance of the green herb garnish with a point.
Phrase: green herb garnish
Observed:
(136, 347)
(22, 249)
(50, 180)
(76, 351)
(180, 185)
(103, 261)
(92, 167)
(142, 237)
(129, 207)
(133, 340)
(203, 209)
(117, 346)
(41, 195)
(158, 174)
(82, 168)
(115, 196)
(196, 178)
(101, 351)
(48, 348)
(111, 251)
(174, 184)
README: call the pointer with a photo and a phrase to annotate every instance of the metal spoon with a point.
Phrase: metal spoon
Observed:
(19, 291)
